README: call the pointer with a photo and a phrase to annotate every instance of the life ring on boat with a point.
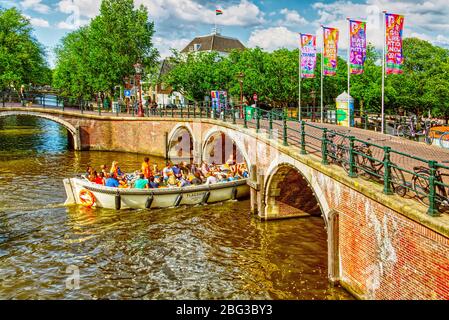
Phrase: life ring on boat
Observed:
(87, 198)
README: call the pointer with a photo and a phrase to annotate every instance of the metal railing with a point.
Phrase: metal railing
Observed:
(359, 158)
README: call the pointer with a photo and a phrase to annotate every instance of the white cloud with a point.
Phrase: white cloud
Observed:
(35, 5)
(293, 18)
(274, 38)
(165, 45)
(38, 22)
(85, 8)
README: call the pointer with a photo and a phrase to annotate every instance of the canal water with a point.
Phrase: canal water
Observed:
(213, 252)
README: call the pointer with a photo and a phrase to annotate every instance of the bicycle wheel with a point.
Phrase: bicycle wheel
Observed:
(400, 131)
(398, 182)
(364, 167)
(420, 185)
(444, 140)
(430, 137)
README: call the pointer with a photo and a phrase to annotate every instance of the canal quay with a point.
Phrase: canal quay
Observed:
(223, 170)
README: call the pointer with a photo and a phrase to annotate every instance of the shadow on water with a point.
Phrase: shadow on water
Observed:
(212, 252)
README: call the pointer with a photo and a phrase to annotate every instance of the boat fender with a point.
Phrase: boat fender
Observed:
(178, 200)
(149, 202)
(205, 198)
(87, 198)
(118, 201)
(234, 193)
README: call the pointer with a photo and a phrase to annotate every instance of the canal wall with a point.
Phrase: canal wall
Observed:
(379, 246)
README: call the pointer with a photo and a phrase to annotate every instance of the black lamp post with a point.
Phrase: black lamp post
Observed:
(138, 69)
(241, 77)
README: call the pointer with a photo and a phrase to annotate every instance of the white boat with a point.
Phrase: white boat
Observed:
(83, 192)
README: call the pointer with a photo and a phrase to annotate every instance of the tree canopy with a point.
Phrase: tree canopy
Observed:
(97, 57)
(22, 57)
(274, 77)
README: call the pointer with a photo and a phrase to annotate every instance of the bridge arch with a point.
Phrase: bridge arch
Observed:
(294, 183)
(182, 135)
(73, 131)
(238, 144)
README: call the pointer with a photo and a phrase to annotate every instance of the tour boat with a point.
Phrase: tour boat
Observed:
(80, 191)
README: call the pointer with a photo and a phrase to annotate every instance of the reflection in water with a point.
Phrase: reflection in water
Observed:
(212, 252)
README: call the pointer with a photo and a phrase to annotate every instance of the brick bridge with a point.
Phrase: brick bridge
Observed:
(379, 246)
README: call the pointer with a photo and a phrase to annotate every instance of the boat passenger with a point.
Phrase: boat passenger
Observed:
(211, 179)
(177, 171)
(100, 179)
(104, 169)
(112, 182)
(146, 170)
(152, 184)
(183, 181)
(167, 171)
(141, 183)
(115, 170)
(172, 182)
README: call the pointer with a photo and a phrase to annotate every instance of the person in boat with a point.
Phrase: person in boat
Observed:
(90, 173)
(183, 181)
(152, 184)
(115, 170)
(172, 182)
(177, 171)
(112, 182)
(123, 184)
(167, 171)
(100, 179)
(104, 169)
(146, 170)
(141, 183)
(211, 179)
(204, 168)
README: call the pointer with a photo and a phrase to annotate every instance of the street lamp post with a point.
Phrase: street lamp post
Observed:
(138, 68)
(241, 77)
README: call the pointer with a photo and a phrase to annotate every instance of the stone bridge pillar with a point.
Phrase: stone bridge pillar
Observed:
(256, 184)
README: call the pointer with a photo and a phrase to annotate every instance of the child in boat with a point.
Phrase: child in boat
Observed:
(100, 179)
(115, 170)
(152, 184)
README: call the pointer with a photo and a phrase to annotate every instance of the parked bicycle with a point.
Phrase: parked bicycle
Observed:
(420, 184)
(338, 152)
(369, 168)
(409, 130)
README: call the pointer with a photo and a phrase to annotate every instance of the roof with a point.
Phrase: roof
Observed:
(214, 42)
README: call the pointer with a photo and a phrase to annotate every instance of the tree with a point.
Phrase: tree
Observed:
(98, 57)
(22, 57)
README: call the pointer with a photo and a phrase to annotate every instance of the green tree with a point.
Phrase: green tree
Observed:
(22, 57)
(98, 57)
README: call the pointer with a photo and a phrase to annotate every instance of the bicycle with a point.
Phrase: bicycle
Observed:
(409, 130)
(369, 168)
(420, 185)
(338, 153)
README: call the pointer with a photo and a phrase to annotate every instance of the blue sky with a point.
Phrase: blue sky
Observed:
(269, 24)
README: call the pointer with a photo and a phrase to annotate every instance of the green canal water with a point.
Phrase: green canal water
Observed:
(212, 252)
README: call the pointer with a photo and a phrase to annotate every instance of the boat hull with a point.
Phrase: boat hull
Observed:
(114, 198)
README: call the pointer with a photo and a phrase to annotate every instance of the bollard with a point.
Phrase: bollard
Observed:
(303, 137)
(433, 206)
(285, 132)
(352, 168)
(245, 121)
(270, 125)
(387, 171)
(324, 147)
(257, 120)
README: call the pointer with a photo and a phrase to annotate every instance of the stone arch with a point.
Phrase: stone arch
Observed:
(233, 136)
(192, 142)
(73, 131)
(276, 179)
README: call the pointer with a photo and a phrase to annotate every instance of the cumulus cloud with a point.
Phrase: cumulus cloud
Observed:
(38, 22)
(293, 18)
(274, 38)
(165, 45)
(35, 5)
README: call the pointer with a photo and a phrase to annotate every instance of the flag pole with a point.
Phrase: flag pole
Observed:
(349, 71)
(383, 72)
(300, 77)
(322, 77)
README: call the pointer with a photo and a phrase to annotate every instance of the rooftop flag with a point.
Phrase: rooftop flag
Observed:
(218, 12)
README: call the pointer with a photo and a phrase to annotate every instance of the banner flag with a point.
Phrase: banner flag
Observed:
(308, 55)
(357, 46)
(330, 37)
(394, 57)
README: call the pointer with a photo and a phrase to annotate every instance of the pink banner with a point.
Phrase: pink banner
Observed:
(330, 37)
(308, 55)
(394, 57)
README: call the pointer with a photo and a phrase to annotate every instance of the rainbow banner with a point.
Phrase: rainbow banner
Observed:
(357, 46)
(308, 55)
(394, 57)
(330, 37)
